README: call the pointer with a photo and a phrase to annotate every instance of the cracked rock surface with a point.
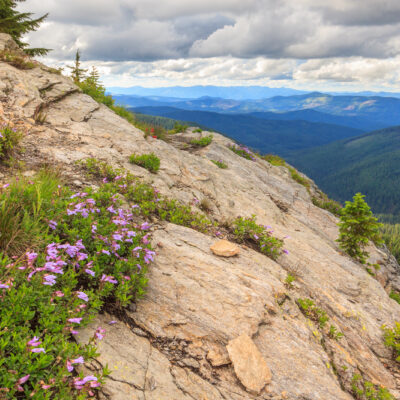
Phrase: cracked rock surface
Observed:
(174, 346)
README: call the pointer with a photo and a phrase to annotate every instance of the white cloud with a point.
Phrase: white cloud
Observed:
(287, 42)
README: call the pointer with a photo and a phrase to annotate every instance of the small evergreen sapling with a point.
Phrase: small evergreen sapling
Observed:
(357, 227)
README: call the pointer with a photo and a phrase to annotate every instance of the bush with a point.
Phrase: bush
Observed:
(298, 178)
(197, 130)
(242, 152)
(357, 227)
(328, 204)
(365, 390)
(203, 142)
(392, 339)
(220, 164)
(311, 311)
(395, 296)
(9, 140)
(247, 230)
(149, 161)
(87, 251)
(16, 60)
(274, 160)
(178, 128)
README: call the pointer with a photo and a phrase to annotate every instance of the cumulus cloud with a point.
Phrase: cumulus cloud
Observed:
(283, 41)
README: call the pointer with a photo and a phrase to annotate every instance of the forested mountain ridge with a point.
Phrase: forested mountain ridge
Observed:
(369, 163)
(265, 136)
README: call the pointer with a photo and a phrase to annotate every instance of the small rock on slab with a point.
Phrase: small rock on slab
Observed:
(248, 363)
(225, 249)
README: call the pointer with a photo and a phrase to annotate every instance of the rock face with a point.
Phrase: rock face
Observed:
(250, 367)
(174, 346)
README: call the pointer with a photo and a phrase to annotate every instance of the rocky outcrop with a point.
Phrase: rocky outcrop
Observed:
(212, 327)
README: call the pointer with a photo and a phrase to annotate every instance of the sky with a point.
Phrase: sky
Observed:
(303, 44)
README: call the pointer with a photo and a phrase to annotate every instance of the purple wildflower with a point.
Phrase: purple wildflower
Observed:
(108, 278)
(83, 296)
(53, 224)
(38, 350)
(22, 380)
(286, 251)
(4, 286)
(78, 360)
(34, 342)
(49, 280)
(89, 271)
(75, 320)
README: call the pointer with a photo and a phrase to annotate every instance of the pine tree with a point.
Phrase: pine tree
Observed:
(77, 73)
(357, 227)
(18, 24)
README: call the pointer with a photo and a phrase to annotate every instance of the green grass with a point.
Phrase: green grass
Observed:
(274, 160)
(311, 311)
(328, 204)
(149, 161)
(203, 142)
(9, 141)
(298, 178)
(220, 164)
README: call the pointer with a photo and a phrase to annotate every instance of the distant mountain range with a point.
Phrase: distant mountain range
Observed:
(192, 92)
(366, 113)
(369, 164)
(228, 92)
(266, 136)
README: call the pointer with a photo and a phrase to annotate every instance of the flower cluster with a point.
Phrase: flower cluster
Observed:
(94, 250)
(242, 151)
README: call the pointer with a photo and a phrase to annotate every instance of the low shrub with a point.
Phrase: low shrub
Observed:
(88, 250)
(334, 333)
(392, 339)
(178, 128)
(197, 130)
(289, 280)
(328, 204)
(17, 60)
(247, 230)
(149, 161)
(298, 178)
(395, 296)
(220, 164)
(311, 311)
(274, 160)
(9, 140)
(202, 142)
(242, 151)
(365, 390)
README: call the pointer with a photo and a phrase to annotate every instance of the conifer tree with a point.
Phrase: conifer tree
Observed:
(357, 227)
(77, 73)
(18, 24)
